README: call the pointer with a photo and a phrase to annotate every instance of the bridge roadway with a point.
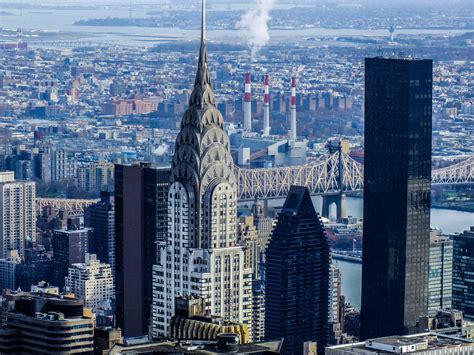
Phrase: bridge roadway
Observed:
(331, 175)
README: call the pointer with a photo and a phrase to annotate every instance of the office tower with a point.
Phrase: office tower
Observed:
(8, 271)
(61, 165)
(263, 223)
(96, 176)
(17, 214)
(247, 236)
(258, 309)
(463, 272)
(201, 256)
(69, 247)
(92, 281)
(36, 266)
(46, 324)
(140, 221)
(42, 161)
(397, 175)
(297, 276)
(336, 306)
(100, 217)
(440, 275)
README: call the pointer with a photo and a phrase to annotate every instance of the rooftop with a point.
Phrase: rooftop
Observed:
(411, 344)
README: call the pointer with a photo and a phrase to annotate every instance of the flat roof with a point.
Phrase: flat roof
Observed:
(435, 341)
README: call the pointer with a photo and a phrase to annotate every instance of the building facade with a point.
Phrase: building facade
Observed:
(463, 272)
(141, 217)
(297, 278)
(440, 275)
(47, 324)
(201, 256)
(17, 214)
(8, 271)
(92, 281)
(100, 217)
(70, 246)
(397, 178)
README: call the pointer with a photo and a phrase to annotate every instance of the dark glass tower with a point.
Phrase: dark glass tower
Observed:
(297, 276)
(397, 175)
(463, 273)
(140, 222)
(101, 218)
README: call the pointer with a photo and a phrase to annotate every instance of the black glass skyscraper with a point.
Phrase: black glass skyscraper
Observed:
(140, 222)
(397, 175)
(297, 276)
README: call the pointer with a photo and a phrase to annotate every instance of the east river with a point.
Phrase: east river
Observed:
(449, 221)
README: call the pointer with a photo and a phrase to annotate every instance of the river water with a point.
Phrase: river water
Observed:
(62, 20)
(449, 221)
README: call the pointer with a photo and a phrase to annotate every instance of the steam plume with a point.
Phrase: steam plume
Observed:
(254, 25)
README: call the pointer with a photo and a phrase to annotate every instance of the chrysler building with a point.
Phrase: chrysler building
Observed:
(201, 256)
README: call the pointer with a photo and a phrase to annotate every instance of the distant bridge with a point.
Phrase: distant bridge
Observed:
(333, 174)
(72, 206)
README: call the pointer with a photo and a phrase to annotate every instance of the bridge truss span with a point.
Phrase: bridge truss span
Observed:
(459, 173)
(326, 175)
(334, 174)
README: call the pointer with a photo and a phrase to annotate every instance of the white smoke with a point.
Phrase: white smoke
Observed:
(254, 25)
(161, 150)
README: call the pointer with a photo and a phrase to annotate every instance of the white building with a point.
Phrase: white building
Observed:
(92, 281)
(201, 256)
(17, 214)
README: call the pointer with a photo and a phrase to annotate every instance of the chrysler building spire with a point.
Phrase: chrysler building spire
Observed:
(202, 93)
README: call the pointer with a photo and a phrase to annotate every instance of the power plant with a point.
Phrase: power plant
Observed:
(253, 149)
(266, 107)
(248, 104)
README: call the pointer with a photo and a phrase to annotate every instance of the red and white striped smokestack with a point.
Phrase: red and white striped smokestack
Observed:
(266, 107)
(292, 132)
(248, 104)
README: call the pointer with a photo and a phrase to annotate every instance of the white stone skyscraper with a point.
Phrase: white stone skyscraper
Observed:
(17, 214)
(201, 256)
(92, 281)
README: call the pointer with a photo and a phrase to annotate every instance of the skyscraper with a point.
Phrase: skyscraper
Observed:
(101, 218)
(463, 271)
(440, 275)
(396, 195)
(201, 256)
(69, 247)
(17, 214)
(297, 276)
(140, 222)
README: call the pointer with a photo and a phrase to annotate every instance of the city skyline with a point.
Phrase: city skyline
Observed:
(297, 181)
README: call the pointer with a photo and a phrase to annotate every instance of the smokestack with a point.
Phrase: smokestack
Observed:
(292, 132)
(19, 38)
(266, 107)
(248, 104)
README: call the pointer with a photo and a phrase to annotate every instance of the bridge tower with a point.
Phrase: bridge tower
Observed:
(339, 197)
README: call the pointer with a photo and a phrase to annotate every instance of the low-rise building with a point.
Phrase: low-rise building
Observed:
(45, 324)
(419, 344)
